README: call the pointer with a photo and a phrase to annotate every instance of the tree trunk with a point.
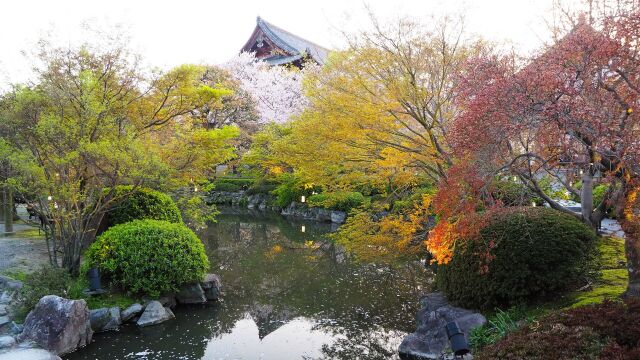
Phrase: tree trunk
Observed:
(586, 198)
(8, 209)
(632, 247)
(631, 226)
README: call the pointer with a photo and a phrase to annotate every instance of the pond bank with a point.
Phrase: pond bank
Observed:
(266, 202)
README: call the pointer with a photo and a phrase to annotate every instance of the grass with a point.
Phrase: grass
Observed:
(110, 299)
(30, 233)
(14, 274)
(49, 281)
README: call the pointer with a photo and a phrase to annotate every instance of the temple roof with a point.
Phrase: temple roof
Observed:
(290, 47)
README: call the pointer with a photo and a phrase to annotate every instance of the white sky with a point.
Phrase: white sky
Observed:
(168, 33)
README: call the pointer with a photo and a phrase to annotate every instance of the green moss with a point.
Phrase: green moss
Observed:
(611, 285)
(112, 298)
(613, 278)
(612, 255)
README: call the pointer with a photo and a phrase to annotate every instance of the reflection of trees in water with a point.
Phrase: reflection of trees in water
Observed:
(366, 308)
(361, 305)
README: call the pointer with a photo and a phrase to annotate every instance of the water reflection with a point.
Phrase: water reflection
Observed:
(289, 294)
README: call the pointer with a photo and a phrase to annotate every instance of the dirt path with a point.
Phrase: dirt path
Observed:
(23, 251)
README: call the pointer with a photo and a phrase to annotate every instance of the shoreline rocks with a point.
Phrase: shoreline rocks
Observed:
(191, 294)
(58, 325)
(27, 354)
(154, 314)
(131, 312)
(264, 202)
(105, 319)
(430, 340)
(212, 286)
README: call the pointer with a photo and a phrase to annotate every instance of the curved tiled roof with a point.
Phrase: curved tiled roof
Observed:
(294, 45)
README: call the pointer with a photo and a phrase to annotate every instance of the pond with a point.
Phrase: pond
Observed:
(289, 293)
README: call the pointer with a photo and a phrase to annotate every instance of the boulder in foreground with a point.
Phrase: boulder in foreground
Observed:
(58, 325)
(430, 340)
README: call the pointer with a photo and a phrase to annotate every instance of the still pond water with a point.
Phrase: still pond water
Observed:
(289, 293)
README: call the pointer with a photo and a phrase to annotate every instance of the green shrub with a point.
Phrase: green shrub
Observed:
(148, 256)
(227, 186)
(513, 194)
(142, 203)
(339, 200)
(289, 190)
(522, 254)
(45, 281)
(415, 197)
(598, 192)
(610, 330)
(232, 184)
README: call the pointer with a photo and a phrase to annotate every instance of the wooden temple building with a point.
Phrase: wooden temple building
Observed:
(277, 46)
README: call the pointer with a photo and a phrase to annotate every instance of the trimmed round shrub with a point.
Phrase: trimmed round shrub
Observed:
(522, 254)
(148, 257)
(142, 203)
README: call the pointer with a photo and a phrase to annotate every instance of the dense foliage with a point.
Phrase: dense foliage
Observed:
(610, 330)
(94, 117)
(522, 254)
(386, 237)
(339, 200)
(511, 193)
(232, 184)
(42, 282)
(148, 256)
(142, 203)
(290, 189)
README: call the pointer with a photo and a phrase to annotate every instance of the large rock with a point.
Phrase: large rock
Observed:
(430, 340)
(58, 325)
(191, 294)
(27, 354)
(338, 217)
(155, 313)
(9, 283)
(131, 312)
(6, 341)
(105, 319)
(7, 296)
(212, 286)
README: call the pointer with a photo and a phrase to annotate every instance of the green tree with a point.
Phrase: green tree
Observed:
(96, 119)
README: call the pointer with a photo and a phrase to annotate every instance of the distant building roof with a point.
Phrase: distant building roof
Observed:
(277, 46)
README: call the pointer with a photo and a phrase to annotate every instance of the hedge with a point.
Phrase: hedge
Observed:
(142, 203)
(521, 255)
(148, 257)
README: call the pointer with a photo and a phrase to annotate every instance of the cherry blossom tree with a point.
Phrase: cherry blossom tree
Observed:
(276, 90)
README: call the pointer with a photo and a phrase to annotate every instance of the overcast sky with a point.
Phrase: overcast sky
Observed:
(169, 33)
